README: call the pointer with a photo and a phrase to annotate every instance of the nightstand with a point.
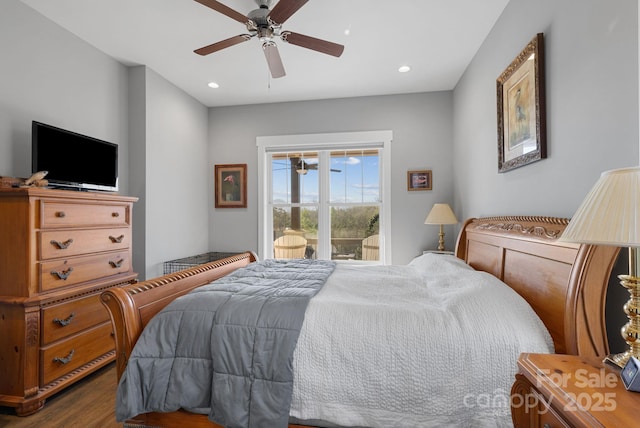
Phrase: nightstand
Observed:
(554, 390)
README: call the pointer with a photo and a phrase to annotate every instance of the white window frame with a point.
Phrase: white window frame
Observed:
(331, 141)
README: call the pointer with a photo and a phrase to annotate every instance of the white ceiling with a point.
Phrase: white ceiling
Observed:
(437, 38)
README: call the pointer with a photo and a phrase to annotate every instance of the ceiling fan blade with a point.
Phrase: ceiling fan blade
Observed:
(225, 10)
(215, 47)
(273, 59)
(284, 9)
(312, 43)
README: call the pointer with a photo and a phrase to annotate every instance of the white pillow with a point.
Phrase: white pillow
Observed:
(434, 262)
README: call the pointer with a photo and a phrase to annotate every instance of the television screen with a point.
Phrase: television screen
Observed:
(74, 160)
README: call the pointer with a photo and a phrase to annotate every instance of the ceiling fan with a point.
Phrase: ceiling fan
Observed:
(303, 166)
(266, 24)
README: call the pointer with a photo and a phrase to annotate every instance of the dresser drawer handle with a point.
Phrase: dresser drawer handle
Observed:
(66, 359)
(115, 214)
(116, 264)
(61, 214)
(62, 245)
(63, 274)
(116, 240)
(66, 321)
(547, 426)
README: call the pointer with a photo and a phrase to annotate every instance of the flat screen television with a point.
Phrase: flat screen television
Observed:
(73, 160)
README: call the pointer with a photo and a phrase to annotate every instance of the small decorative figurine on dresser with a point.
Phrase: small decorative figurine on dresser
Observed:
(36, 180)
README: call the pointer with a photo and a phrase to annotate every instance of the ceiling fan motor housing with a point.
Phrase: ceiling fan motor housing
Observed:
(261, 25)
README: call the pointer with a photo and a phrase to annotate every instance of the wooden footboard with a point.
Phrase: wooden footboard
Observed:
(132, 307)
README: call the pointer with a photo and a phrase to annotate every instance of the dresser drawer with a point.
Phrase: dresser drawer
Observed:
(66, 243)
(66, 356)
(63, 320)
(69, 214)
(75, 270)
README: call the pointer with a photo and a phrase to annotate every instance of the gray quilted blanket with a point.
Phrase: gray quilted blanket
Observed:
(226, 348)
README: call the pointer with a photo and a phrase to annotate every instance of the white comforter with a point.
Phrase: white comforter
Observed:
(430, 344)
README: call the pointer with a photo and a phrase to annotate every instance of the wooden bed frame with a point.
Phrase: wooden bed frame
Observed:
(564, 283)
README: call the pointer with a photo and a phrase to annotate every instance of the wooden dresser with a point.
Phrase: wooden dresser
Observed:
(59, 250)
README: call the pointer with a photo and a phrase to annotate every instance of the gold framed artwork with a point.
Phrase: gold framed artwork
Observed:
(231, 186)
(521, 108)
(419, 180)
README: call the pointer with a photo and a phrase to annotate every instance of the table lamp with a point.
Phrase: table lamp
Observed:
(610, 215)
(441, 214)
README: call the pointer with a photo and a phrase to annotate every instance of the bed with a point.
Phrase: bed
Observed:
(563, 284)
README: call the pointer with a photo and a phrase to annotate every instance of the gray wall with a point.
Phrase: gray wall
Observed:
(170, 176)
(177, 176)
(49, 75)
(591, 52)
(422, 138)
(591, 49)
(137, 154)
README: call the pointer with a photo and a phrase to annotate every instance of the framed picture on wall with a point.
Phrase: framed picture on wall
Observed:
(419, 180)
(521, 108)
(231, 186)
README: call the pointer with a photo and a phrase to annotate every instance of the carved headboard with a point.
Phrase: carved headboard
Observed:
(565, 283)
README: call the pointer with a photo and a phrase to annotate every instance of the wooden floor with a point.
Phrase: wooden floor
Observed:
(88, 403)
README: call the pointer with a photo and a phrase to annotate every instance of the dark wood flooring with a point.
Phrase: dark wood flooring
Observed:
(89, 403)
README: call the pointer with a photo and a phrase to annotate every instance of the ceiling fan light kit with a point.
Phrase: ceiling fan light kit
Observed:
(266, 25)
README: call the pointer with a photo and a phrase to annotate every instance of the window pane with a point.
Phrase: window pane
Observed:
(281, 220)
(295, 177)
(281, 179)
(349, 228)
(299, 221)
(307, 172)
(355, 176)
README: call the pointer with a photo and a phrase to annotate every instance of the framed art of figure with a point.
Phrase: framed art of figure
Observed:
(521, 108)
(419, 180)
(231, 186)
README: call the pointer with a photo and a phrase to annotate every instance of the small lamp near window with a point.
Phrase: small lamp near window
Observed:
(610, 215)
(441, 214)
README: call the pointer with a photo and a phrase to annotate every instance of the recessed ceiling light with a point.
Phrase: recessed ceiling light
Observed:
(404, 69)
(213, 85)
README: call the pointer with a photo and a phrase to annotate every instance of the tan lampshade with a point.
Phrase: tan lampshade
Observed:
(441, 214)
(610, 214)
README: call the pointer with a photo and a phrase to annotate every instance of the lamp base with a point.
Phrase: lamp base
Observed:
(618, 360)
(630, 331)
(441, 239)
